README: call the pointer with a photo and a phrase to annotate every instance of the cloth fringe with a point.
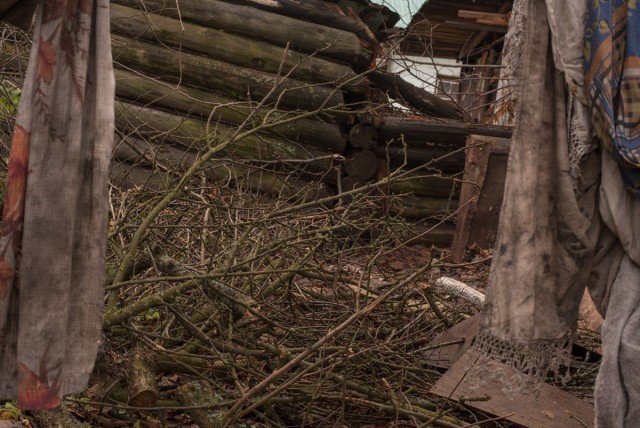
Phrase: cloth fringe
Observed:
(519, 365)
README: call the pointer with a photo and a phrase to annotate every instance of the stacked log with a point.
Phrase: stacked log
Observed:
(275, 89)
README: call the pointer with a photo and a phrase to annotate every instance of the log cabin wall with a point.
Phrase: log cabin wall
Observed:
(287, 90)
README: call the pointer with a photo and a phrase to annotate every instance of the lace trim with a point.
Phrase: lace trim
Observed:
(534, 361)
(580, 142)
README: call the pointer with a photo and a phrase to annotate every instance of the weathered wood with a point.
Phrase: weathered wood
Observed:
(399, 89)
(200, 393)
(135, 24)
(427, 185)
(449, 160)
(425, 208)
(259, 24)
(363, 136)
(147, 91)
(240, 83)
(479, 203)
(552, 408)
(147, 156)
(315, 11)
(193, 134)
(437, 130)
(363, 165)
(449, 346)
(129, 176)
(428, 233)
(499, 19)
(143, 388)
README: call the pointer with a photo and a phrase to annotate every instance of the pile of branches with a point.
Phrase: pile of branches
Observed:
(240, 308)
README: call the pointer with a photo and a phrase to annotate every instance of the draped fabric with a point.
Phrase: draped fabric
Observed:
(53, 235)
(612, 63)
(560, 232)
(548, 222)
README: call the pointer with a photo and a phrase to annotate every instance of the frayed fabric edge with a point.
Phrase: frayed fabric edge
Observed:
(518, 365)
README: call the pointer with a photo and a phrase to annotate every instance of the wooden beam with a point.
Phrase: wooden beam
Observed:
(238, 50)
(425, 129)
(190, 101)
(241, 83)
(413, 96)
(500, 19)
(259, 24)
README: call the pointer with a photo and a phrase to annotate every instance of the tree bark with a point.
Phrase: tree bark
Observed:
(238, 82)
(399, 89)
(147, 91)
(193, 135)
(248, 21)
(421, 128)
(143, 388)
(363, 136)
(132, 23)
(362, 166)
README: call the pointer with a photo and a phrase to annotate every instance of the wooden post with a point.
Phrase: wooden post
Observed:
(478, 152)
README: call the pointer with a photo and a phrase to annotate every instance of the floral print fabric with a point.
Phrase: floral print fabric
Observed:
(53, 234)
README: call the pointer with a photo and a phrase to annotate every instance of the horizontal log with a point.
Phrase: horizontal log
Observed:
(437, 130)
(193, 134)
(363, 165)
(363, 136)
(134, 23)
(416, 156)
(128, 176)
(316, 11)
(425, 185)
(425, 208)
(150, 158)
(240, 83)
(259, 24)
(147, 91)
(413, 96)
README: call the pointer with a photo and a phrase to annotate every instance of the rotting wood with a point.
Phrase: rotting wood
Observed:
(363, 165)
(193, 134)
(363, 136)
(238, 82)
(247, 21)
(315, 11)
(425, 185)
(449, 346)
(476, 202)
(425, 208)
(135, 24)
(422, 128)
(413, 156)
(143, 388)
(426, 102)
(147, 155)
(552, 408)
(147, 91)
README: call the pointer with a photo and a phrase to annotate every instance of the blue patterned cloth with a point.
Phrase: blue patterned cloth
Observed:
(612, 69)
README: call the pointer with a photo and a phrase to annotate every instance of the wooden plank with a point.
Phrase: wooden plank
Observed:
(485, 17)
(448, 347)
(552, 408)
(475, 169)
